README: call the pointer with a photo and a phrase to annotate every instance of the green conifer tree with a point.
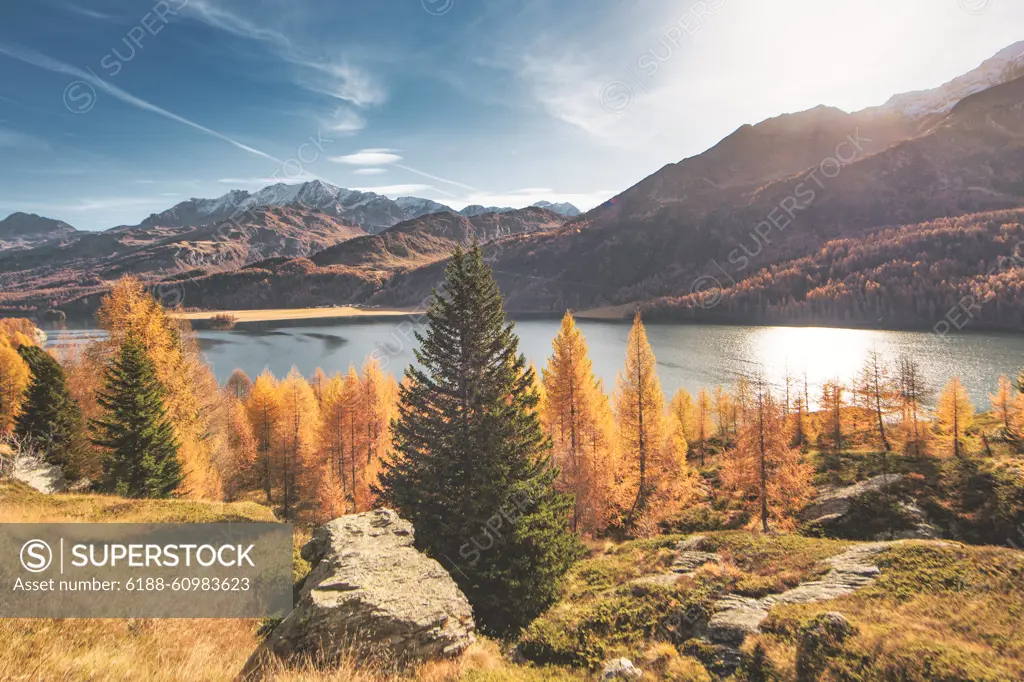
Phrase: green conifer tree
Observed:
(141, 450)
(472, 469)
(49, 416)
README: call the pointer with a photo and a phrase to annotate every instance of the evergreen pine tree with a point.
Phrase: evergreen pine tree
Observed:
(142, 451)
(472, 469)
(49, 416)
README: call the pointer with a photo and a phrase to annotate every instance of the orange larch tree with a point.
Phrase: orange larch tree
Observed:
(575, 414)
(264, 410)
(654, 476)
(767, 476)
(192, 390)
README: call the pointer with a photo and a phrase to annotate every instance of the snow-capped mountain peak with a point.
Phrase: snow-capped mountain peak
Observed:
(1005, 66)
(370, 211)
(565, 208)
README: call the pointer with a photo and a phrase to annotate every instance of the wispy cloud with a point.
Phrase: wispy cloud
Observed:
(337, 77)
(257, 182)
(18, 140)
(344, 120)
(41, 61)
(403, 190)
(370, 171)
(369, 157)
(95, 204)
(88, 12)
(437, 178)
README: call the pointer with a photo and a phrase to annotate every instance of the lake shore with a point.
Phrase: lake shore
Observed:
(283, 314)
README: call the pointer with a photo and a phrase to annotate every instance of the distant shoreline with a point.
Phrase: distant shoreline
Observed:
(248, 318)
(341, 313)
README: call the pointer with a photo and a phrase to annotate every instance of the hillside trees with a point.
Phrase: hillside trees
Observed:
(876, 389)
(470, 453)
(639, 408)
(768, 477)
(135, 431)
(1003, 403)
(702, 423)
(14, 377)
(191, 390)
(575, 412)
(49, 419)
(954, 416)
(656, 479)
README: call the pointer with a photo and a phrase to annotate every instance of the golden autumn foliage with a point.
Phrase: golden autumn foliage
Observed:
(14, 377)
(191, 389)
(264, 411)
(702, 423)
(656, 481)
(14, 372)
(241, 448)
(767, 476)
(954, 415)
(317, 445)
(577, 414)
(1003, 403)
(299, 440)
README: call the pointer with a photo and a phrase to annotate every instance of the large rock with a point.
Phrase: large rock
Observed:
(33, 471)
(835, 503)
(621, 670)
(370, 593)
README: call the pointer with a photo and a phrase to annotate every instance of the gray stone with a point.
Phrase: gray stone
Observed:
(835, 503)
(735, 617)
(33, 471)
(621, 669)
(370, 593)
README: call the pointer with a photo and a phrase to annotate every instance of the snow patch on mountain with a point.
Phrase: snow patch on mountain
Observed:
(1005, 66)
(565, 208)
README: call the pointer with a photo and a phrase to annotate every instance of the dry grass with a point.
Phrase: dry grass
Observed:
(185, 650)
(21, 504)
(939, 611)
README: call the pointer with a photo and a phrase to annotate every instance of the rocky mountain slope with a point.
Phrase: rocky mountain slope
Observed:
(27, 230)
(356, 270)
(770, 193)
(86, 261)
(372, 212)
(1006, 65)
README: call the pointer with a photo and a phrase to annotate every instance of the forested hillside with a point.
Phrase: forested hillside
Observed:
(966, 268)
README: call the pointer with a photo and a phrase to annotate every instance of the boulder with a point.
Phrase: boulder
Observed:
(33, 471)
(370, 594)
(621, 669)
(835, 503)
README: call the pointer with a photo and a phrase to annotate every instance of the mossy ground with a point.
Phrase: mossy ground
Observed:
(940, 611)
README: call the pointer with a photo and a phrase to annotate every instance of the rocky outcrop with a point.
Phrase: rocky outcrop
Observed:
(875, 509)
(33, 471)
(370, 594)
(736, 617)
(621, 670)
(836, 502)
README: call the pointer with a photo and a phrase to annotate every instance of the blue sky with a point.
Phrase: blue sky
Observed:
(113, 109)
